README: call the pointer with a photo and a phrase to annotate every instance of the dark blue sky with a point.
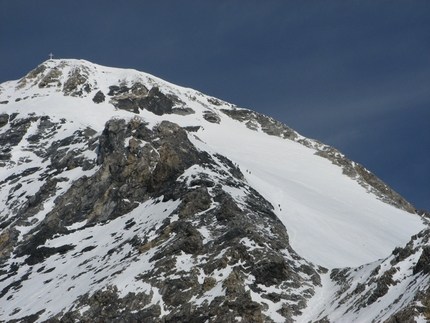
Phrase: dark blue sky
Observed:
(352, 74)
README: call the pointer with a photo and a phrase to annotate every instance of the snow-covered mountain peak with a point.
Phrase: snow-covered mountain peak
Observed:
(103, 92)
(72, 76)
(118, 187)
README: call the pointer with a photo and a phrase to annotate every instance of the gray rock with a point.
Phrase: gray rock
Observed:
(4, 119)
(256, 120)
(156, 102)
(51, 79)
(76, 83)
(211, 117)
(13, 136)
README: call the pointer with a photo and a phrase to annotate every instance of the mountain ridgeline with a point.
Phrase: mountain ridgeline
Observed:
(125, 198)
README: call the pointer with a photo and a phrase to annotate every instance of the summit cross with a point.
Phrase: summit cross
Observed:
(50, 56)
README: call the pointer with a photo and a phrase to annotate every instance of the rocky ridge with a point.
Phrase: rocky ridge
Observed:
(394, 289)
(236, 244)
(256, 121)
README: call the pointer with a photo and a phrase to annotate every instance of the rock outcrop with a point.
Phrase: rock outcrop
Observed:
(246, 253)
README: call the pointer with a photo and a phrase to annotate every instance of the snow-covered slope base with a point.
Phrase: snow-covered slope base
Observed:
(125, 197)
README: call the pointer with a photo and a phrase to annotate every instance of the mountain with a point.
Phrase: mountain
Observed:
(125, 198)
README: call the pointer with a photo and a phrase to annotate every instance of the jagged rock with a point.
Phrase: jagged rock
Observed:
(156, 102)
(8, 239)
(126, 98)
(13, 136)
(183, 111)
(128, 104)
(37, 71)
(208, 284)
(45, 129)
(77, 82)
(51, 79)
(152, 170)
(194, 202)
(138, 89)
(211, 117)
(383, 284)
(423, 213)
(405, 316)
(267, 124)
(387, 193)
(214, 101)
(115, 90)
(4, 119)
(423, 264)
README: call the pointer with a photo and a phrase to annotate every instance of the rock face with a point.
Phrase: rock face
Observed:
(141, 220)
(137, 164)
(361, 289)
